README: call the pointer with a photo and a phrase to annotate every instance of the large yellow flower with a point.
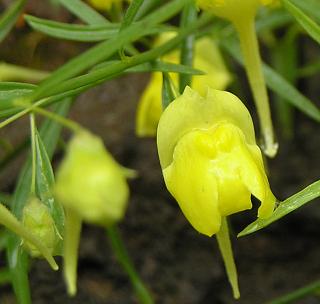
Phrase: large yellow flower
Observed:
(207, 58)
(210, 161)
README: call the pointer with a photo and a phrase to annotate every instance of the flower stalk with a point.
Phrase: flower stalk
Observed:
(223, 239)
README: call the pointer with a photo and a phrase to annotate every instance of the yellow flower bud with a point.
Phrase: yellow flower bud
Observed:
(38, 220)
(90, 182)
(234, 10)
(210, 161)
(207, 58)
(104, 5)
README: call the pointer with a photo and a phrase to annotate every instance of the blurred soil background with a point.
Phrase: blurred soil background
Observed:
(179, 265)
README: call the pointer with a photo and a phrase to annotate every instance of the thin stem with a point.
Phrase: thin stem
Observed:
(298, 294)
(33, 153)
(250, 49)
(68, 123)
(23, 112)
(70, 250)
(7, 219)
(223, 238)
(121, 253)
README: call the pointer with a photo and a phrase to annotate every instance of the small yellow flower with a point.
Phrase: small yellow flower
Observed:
(104, 5)
(90, 182)
(233, 9)
(38, 220)
(210, 161)
(207, 58)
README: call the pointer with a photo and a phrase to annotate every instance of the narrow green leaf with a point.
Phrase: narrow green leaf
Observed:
(167, 92)
(311, 7)
(126, 263)
(44, 186)
(9, 17)
(13, 90)
(298, 294)
(17, 258)
(278, 84)
(106, 49)
(131, 13)
(155, 66)
(83, 11)
(289, 205)
(110, 71)
(75, 32)
(312, 28)
(189, 15)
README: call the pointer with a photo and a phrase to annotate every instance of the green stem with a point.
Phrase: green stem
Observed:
(9, 221)
(298, 294)
(127, 265)
(70, 250)
(11, 72)
(68, 123)
(223, 238)
(250, 48)
(33, 153)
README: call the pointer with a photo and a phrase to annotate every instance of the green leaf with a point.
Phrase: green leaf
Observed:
(106, 49)
(167, 92)
(289, 205)
(278, 84)
(17, 258)
(13, 90)
(311, 7)
(113, 70)
(298, 294)
(312, 28)
(83, 11)
(155, 66)
(44, 186)
(189, 15)
(75, 32)
(131, 13)
(9, 17)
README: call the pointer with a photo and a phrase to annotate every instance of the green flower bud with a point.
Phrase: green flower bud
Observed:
(36, 218)
(90, 182)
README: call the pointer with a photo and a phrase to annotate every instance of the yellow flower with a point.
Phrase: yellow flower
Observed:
(207, 58)
(233, 9)
(90, 182)
(209, 158)
(104, 5)
(38, 220)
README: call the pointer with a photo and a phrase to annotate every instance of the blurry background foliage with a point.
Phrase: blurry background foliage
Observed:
(55, 52)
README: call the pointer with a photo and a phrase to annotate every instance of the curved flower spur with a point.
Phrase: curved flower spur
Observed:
(211, 163)
(242, 15)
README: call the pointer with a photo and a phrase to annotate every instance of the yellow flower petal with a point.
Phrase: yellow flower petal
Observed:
(150, 107)
(193, 186)
(191, 110)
